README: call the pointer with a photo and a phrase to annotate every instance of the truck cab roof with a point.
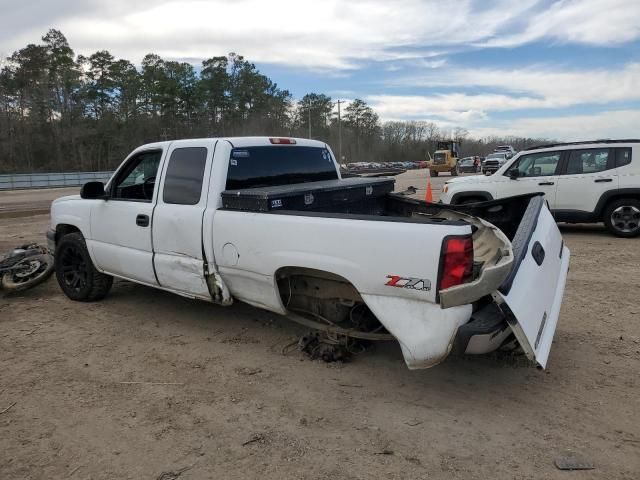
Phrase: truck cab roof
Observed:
(242, 142)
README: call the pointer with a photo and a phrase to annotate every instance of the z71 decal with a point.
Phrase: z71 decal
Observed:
(408, 282)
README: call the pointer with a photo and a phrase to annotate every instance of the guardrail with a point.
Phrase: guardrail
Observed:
(50, 180)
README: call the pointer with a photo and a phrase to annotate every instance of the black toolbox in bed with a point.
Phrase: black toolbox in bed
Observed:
(349, 195)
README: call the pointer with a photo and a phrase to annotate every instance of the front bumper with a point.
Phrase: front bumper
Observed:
(51, 240)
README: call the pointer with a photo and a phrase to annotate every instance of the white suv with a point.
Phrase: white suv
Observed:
(583, 182)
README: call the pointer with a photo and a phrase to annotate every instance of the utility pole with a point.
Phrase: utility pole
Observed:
(309, 112)
(339, 134)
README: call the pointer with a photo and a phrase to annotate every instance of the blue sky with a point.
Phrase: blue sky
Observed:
(564, 69)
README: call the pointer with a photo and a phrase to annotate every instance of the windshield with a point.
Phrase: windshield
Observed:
(282, 165)
(439, 157)
(466, 161)
(497, 156)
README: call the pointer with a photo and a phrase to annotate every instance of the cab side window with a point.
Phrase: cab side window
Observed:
(541, 164)
(590, 160)
(136, 181)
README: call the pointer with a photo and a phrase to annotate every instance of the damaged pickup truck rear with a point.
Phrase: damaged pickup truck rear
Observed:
(270, 222)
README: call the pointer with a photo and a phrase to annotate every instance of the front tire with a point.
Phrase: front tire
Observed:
(433, 173)
(76, 274)
(622, 217)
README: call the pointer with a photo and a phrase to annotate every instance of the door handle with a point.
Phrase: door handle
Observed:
(546, 183)
(142, 220)
(600, 180)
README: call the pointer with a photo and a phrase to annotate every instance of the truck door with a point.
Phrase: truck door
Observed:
(177, 219)
(537, 172)
(121, 226)
(589, 174)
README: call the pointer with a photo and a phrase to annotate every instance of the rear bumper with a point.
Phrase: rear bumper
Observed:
(484, 333)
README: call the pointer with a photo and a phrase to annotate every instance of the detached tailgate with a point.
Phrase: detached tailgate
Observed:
(531, 295)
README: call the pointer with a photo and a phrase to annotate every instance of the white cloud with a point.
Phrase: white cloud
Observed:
(608, 124)
(533, 87)
(593, 22)
(332, 34)
(458, 107)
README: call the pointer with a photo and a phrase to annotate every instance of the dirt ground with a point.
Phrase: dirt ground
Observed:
(149, 385)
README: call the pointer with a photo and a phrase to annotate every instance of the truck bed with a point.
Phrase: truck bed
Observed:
(370, 199)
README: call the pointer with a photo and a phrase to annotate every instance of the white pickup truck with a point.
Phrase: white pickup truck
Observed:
(435, 277)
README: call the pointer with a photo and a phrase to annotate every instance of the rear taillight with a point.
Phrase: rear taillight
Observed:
(283, 141)
(457, 261)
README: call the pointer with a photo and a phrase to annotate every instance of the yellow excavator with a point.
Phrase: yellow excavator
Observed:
(445, 159)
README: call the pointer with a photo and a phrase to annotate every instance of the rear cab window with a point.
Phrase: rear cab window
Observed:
(184, 177)
(267, 166)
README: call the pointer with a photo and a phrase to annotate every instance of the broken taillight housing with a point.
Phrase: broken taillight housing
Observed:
(457, 261)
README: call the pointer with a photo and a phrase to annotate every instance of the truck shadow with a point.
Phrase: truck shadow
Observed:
(584, 229)
(242, 331)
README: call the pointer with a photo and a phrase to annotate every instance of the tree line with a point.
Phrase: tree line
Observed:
(63, 112)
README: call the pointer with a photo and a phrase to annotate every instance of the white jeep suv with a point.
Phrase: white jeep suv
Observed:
(583, 182)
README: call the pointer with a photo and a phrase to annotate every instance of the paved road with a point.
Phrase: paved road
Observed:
(19, 203)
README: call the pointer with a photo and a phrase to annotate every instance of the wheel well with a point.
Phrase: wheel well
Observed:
(326, 297)
(469, 199)
(613, 198)
(316, 291)
(64, 229)
(319, 283)
(480, 195)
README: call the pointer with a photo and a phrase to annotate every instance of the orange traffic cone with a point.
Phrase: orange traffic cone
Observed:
(429, 196)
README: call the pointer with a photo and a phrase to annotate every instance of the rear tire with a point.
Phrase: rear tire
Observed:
(76, 274)
(622, 217)
(454, 172)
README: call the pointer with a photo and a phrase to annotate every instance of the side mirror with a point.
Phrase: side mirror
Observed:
(514, 174)
(92, 191)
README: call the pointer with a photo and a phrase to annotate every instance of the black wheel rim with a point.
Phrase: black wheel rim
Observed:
(74, 268)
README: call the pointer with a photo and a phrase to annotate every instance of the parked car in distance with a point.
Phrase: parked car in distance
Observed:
(468, 165)
(508, 149)
(583, 182)
(493, 162)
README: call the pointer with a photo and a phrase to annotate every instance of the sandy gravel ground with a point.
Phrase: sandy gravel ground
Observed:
(211, 394)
